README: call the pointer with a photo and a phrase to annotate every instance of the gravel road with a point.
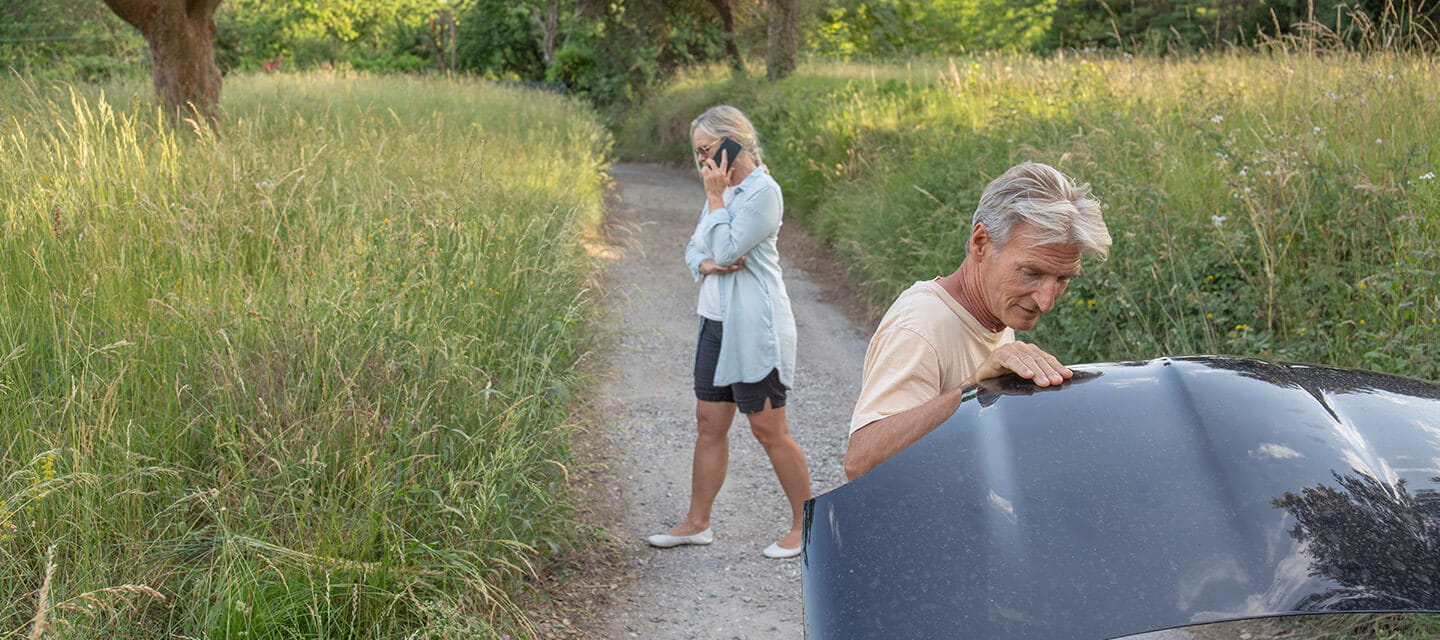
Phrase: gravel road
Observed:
(726, 591)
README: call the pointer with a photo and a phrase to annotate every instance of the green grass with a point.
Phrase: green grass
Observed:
(1282, 205)
(306, 378)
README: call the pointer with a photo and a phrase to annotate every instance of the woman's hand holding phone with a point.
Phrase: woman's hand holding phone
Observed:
(715, 171)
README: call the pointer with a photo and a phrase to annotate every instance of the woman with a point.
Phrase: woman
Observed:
(745, 357)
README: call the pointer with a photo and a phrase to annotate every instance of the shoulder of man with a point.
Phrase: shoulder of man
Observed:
(921, 310)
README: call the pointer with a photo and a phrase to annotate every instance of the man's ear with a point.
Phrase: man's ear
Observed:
(980, 241)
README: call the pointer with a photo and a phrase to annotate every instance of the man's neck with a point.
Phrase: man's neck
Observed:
(964, 287)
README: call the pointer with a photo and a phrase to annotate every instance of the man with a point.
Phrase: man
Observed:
(942, 336)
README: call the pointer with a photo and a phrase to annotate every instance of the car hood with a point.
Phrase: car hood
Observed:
(1139, 496)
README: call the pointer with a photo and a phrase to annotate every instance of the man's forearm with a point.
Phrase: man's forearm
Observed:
(876, 442)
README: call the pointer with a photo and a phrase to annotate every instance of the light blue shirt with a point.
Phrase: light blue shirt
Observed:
(759, 329)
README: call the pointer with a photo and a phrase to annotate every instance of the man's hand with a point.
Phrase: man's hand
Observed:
(1025, 360)
(709, 267)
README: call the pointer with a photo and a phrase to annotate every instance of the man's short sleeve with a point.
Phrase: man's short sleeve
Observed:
(902, 371)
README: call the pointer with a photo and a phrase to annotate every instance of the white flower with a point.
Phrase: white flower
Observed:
(265, 185)
(1218, 220)
(1428, 176)
(1379, 141)
(1317, 129)
(1217, 118)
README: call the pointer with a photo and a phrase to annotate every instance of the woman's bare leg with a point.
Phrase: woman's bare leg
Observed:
(712, 455)
(773, 432)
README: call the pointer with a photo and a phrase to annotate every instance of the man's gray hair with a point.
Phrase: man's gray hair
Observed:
(1040, 195)
(725, 121)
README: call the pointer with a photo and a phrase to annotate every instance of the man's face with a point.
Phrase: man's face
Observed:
(1019, 282)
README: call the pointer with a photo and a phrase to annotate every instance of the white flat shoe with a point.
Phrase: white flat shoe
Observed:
(778, 552)
(665, 540)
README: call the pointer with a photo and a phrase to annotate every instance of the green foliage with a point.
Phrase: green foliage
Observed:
(621, 56)
(498, 39)
(369, 35)
(308, 379)
(67, 40)
(889, 28)
(1282, 206)
(900, 28)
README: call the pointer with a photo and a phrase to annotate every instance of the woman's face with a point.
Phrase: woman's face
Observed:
(703, 146)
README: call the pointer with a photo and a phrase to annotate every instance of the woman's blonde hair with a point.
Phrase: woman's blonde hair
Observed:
(1040, 195)
(725, 121)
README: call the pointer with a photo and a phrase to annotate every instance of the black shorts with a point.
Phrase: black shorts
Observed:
(750, 397)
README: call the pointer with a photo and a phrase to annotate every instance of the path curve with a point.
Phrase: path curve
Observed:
(726, 591)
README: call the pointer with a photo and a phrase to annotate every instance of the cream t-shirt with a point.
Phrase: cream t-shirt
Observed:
(927, 344)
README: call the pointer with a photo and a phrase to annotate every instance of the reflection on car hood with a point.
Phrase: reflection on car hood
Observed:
(1136, 497)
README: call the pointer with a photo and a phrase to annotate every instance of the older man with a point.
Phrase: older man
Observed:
(942, 336)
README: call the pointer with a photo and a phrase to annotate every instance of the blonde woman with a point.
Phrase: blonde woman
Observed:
(745, 356)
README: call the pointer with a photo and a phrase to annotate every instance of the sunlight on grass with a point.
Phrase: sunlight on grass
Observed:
(306, 377)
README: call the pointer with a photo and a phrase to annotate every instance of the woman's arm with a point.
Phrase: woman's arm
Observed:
(731, 233)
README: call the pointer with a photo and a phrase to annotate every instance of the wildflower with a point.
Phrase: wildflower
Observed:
(266, 185)
(1362, 285)
(1379, 141)
(1241, 327)
(1428, 176)
(1362, 321)
(1217, 118)
(1218, 220)
(1302, 331)
(1317, 129)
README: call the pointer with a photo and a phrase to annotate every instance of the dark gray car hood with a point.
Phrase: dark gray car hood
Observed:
(1136, 497)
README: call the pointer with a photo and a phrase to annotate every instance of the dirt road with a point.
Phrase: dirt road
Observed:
(726, 591)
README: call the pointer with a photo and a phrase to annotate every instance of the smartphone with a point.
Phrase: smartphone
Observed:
(730, 148)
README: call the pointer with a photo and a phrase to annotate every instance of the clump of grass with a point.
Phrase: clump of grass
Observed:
(304, 377)
(1281, 204)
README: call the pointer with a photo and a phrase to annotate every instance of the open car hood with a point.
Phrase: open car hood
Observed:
(1136, 497)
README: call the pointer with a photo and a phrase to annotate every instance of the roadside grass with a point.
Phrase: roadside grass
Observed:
(1280, 204)
(303, 377)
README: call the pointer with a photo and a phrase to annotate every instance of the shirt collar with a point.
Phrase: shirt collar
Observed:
(754, 175)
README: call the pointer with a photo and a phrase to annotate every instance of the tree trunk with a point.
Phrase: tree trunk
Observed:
(181, 35)
(726, 9)
(783, 31)
(549, 23)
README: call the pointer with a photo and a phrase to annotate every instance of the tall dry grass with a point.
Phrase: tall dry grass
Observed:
(306, 377)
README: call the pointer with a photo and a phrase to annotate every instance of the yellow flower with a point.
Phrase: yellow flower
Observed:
(1362, 285)
(1241, 327)
(1362, 322)
(1209, 315)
